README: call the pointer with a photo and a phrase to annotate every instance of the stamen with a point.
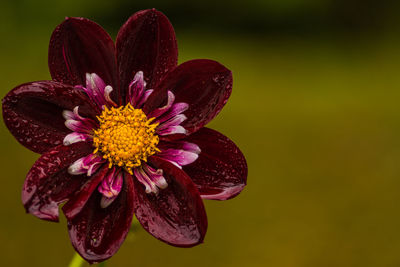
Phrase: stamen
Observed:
(125, 137)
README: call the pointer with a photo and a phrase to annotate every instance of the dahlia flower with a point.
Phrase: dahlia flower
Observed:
(120, 129)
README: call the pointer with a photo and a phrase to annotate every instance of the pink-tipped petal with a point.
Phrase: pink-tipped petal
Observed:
(144, 98)
(146, 42)
(172, 130)
(88, 165)
(220, 172)
(107, 95)
(174, 111)
(178, 119)
(68, 115)
(144, 179)
(191, 147)
(95, 88)
(79, 46)
(94, 167)
(179, 157)
(95, 84)
(156, 176)
(159, 111)
(110, 186)
(78, 126)
(97, 233)
(75, 137)
(176, 214)
(33, 112)
(74, 115)
(79, 199)
(106, 201)
(136, 89)
(181, 145)
(48, 183)
(98, 91)
(203, 84)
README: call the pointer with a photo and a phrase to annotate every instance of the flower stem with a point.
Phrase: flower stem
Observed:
(76, 261)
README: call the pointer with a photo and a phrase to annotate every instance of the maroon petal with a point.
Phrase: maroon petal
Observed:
(33, 112)
(204, 84)
(146, 42)
(220, 172)
(97, 233)
(48, 183)
(176, 214)
(78, 201)
(79, 46)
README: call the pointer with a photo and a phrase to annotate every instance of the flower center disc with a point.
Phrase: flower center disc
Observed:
(125, 137)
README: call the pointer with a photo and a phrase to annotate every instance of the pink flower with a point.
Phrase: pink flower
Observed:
(121, 132)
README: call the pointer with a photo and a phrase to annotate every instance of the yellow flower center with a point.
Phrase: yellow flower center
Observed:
(125, 137)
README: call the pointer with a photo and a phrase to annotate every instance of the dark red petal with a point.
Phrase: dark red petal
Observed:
(176, 215)
(220, 172)
(79, 199)
(33, 112)
(79, 46)
(204, 84)
(48, 183)
(97, 233)
(146, 42)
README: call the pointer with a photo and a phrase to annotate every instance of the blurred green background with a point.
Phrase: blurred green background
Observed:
(314, 108)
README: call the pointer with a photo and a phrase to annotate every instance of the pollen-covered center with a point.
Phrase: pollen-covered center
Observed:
(125, 137)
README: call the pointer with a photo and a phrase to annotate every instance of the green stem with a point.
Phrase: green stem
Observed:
(76, 261)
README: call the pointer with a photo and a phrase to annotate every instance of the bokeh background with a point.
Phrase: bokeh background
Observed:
(314, 108)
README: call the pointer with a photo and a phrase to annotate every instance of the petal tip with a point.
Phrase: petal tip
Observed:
(43, 215)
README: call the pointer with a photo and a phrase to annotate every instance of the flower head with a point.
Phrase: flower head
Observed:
(121, 132)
